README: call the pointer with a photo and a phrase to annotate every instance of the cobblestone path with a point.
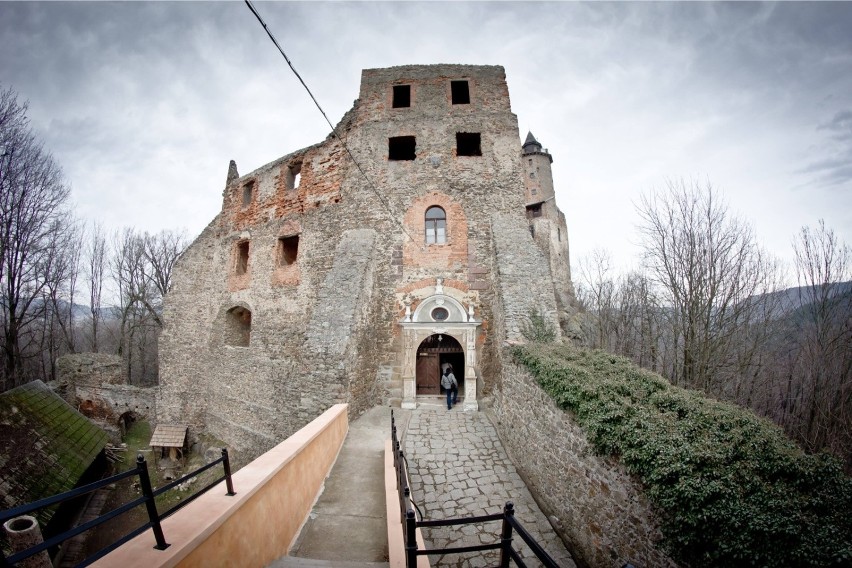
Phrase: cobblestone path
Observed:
(459, 468)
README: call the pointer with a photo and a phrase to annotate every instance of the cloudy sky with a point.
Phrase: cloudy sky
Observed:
(144, 104)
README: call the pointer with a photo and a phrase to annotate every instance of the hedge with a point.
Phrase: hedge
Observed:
(730, 488)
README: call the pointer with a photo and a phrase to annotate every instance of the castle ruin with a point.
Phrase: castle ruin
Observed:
(326, 280)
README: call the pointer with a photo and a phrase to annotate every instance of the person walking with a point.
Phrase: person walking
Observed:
(451, 386)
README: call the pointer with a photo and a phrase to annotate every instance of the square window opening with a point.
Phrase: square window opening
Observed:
(401, 148)
(461, 92)
(401, 96)
(534, 211)
(288, 250)
(242, 257)
(468, 144)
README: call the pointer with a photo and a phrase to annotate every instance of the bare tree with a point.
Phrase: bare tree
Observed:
(96, 265)
(597, 293)
(61, 268)
(708, 266)
(821, 396)
(33, 207)
(162, 251)
(142, 269)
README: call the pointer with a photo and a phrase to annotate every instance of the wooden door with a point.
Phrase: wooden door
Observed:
(428, 374)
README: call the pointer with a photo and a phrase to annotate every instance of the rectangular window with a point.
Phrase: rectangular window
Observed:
(468, 144)
(242, 257)
(248, 190)
(436, 231)
(293, 176)
(461, 92)
(401, 148)
(534, 210)
(401, 96)
(288, 250)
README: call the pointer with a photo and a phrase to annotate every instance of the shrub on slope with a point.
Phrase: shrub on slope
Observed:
(730, 488)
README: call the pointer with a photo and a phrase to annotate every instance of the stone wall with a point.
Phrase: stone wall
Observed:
(96, 385)
(523, 268)
(595, 505)
(257, 343)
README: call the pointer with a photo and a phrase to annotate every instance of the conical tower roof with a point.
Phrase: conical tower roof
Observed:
(531, 144)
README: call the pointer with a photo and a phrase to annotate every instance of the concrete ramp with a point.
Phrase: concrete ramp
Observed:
(295, 562)
(347, 527)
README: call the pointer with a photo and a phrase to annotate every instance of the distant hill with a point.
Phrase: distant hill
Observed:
(793, 300)
(81, 312)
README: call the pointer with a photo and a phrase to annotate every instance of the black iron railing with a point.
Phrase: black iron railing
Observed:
(147, 498)
(410, 523)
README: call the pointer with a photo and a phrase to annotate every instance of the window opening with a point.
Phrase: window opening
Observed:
(401, 96)
(288, 250)
(248, 190)
(440, 314)
(401, 148)
(532, 231)
(238, 327)
(436, 226)
(294, 176)
(534, 210)
(559, 234)
(468, 144)
(461, 92)
(242, 257)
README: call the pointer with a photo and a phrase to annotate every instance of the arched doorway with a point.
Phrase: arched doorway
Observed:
(433, 355)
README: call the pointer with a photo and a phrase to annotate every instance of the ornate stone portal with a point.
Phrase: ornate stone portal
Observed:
(439, 314)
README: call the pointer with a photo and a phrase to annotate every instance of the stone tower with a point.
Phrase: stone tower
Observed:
(547, 222)
(539, 177)
(322, 281)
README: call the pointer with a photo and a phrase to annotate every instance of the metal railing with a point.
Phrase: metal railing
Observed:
(148, 499)
(410, 523)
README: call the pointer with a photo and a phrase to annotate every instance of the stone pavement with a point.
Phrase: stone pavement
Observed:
(458, 468)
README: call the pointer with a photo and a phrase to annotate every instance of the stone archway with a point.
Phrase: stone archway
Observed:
(433, 354)
(440, 315)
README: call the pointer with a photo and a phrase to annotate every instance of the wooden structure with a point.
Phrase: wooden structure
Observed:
(171, 436)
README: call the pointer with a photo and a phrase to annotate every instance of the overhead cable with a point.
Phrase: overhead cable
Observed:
(333, 129)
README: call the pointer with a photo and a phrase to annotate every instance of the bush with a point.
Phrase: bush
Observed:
(729, 487)
(536, 328)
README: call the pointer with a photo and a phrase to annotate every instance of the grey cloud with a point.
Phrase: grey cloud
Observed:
(836, 169)
(840, 124)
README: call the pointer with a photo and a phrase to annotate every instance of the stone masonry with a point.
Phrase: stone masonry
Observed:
(459, 469)
(322, 282)
(96, 385)
(592, 502)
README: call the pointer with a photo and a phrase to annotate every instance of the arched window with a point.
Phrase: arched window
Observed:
(436, 226)
(237, 327)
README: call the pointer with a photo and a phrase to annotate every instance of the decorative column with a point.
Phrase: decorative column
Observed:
(470, 401)
(409, 384)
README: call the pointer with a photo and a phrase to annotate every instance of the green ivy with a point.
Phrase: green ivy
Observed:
(536, 329)
(730, 488)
